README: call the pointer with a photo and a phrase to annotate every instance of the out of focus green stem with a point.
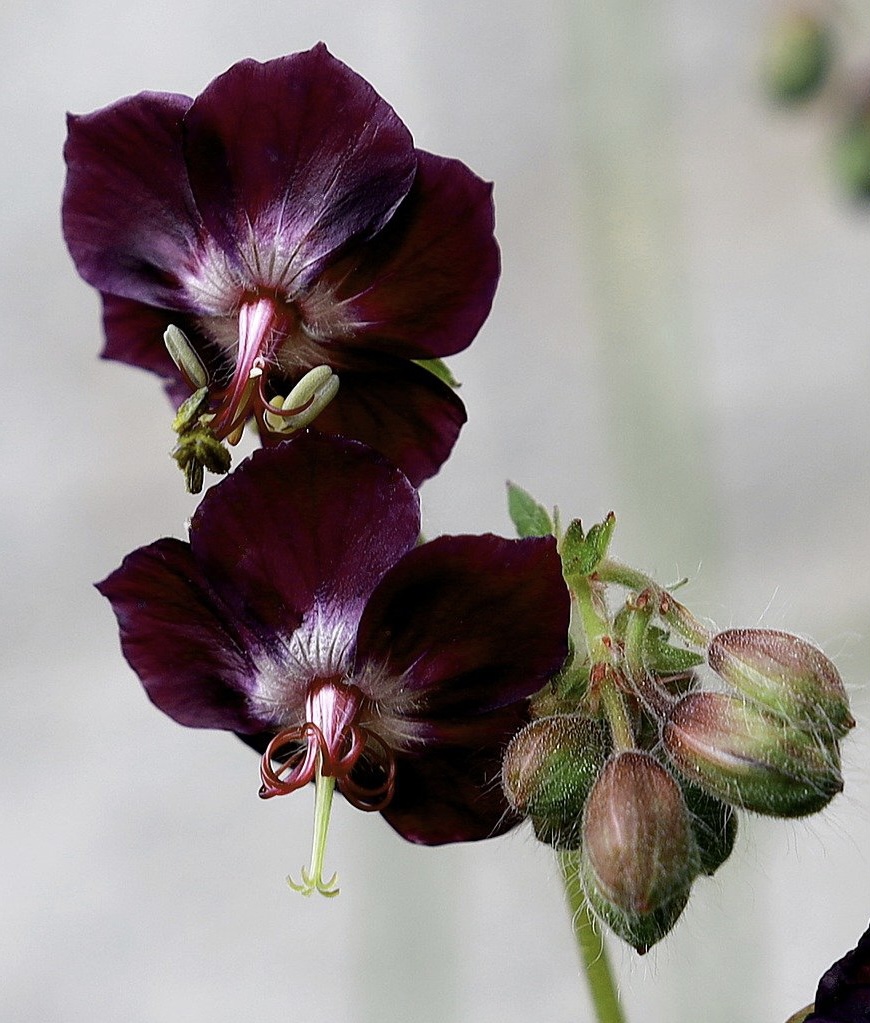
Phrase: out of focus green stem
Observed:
(590, 944)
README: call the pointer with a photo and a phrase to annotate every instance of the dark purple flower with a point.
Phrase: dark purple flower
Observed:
(283, 220)
(303, 616)
(843, 995)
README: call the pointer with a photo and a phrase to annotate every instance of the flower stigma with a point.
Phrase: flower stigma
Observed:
(327, 749)
(215, 416)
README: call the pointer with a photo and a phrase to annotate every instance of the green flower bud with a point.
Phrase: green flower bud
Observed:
(548, 770)
(714, 825)
(789, 676)
(638, 858)
(742, 754)
(798, 56)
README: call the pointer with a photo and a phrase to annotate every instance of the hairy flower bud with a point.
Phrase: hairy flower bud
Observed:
(787, 674)
(638, 857)
(746, 756)
(548, 770)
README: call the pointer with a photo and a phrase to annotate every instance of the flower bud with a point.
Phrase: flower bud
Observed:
(799, 54)
(743, 755)
(714, 825)
(789, 676)
(548, 770)
(638, 857)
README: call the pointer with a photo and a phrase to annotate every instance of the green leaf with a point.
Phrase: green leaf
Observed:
(440, 370)
(528, 517)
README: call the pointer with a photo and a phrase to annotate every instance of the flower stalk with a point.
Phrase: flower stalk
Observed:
(590, 945)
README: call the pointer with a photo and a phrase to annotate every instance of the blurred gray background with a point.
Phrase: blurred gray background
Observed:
(681, 334)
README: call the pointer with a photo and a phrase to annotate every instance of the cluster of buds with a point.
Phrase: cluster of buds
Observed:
(657, 730)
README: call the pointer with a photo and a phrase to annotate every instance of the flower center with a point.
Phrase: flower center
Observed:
(214, 415)
(328, 749)
(236, 402)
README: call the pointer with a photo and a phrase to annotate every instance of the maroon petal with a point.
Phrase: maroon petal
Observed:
(178, 639)
(843, 995)
(425, 284)
(134, 334)
(291, 159)
(305, 530)
(128, 214)
(401, 410)
(453, 793)
(469, 623)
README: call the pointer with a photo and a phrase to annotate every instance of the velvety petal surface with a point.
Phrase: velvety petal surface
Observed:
(305, 530)
(400, 409)
(178, 639)
(453, 793)
(470, 623)
(129, 218)
(134, 334)
(843, 995)
(424, 286)
(291, 159)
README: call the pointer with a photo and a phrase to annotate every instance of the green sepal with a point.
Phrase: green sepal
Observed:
(714, 825)
(582, 554)
(640, 930)
(529, 517)
(439, 369)
(663, 659)
(565, 694)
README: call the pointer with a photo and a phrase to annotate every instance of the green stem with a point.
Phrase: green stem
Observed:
(617, 717)
(678, 616)
(590, 944)
(611, 571)
(595, 627)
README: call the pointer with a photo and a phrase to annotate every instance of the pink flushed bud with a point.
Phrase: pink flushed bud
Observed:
(548, 770)
(638, 857)
(785, 673)
(742, 754)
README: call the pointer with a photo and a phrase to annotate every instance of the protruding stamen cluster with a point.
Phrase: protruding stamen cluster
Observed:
(303, 404)
(327, 749)
(220, 413)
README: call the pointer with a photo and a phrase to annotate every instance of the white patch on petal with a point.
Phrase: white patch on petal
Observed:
(316, 651)
(215, 286)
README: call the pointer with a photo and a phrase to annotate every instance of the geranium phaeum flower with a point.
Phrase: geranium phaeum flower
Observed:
(284, 221)
(303, 616)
